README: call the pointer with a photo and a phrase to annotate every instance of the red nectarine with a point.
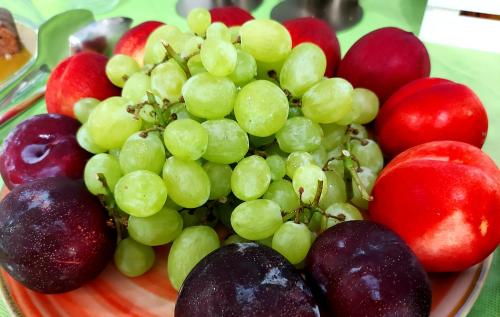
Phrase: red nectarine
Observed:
(230, 16)
(133, 42)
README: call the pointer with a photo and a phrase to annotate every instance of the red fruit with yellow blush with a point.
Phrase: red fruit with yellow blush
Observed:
(133, 42)
(230, 16)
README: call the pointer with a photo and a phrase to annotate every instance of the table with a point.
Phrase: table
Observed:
(479, 70)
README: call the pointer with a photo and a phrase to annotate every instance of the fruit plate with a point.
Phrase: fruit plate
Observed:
(151, 295)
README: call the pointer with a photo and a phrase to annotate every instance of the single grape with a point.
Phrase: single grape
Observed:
(251, 178)
(333, 135)
(187, 181)
(161, 228)
(235, 239)
(115, 153)
(349, 117)
(199, 20)
(304, 67)
(269, 71)
(282, 192)
(192, 245)
(261, 108)
(299, 134)
(256, 219)
(106, 165)
(296, 160)
(142, 152)
(294, 112)
(167, 80)
(132, 258)
(178, 111)
(336, 190)
(83, 107)
(191, 47)
(136, 87)
(227, 142)
(293, 241)
(220, 31)
(218, 57)
(119, 69)
(154, 51)
(220, 179)
(85, 140)
(340, 212)
(328, 101)
(315, 223)
(336, 165)
(369, 155)
(186, 139)
(319, 155)
(110, 124)
(267, 40)
(245, 70)
(195, 65)
(140, 193)
(306, 180)
(358, 131)
(277, 165)
(367, 104)
(368, 178)
(208, 96)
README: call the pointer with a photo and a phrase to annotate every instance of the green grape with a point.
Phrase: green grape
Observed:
(304, 67)
(106, 165)
(293, 241)
(167, 80)
(251, 178)
(277, 165)
(85, 140)
(110, 124)
(368, 178)
(219, 31)
(261, 108)
(135, 88)
(245, 70)
(140, 193)
(189, 219)
(199, 20)
(268, 242)
(195, 65)
(269, 71)
(120, 67)
(148, 115)
(333, 135)
(274, 149)
(256, 219)
(191, 47)
(296, 160)
(336, 190)
(235, 33)
(178, 111)
(154, 51)
(220, 179)
(282, 193)
(192, 245)
(218, 57)
(299, 134)
(142, 152)
(328, 101)
(161, 228)
(267, 40)
(257, 141)
(294, 112)
(359, 131)
(115, 153)
(234, 239)
(315, 223)
(306, 179)
(341, 212)
(369, 155)
(187, 181)
(349, 117)
(83, 107)
(133, 259)
(170, 204)
(208, 96)
(186, 139)
(227, 142)
(319, 155)
(367, 105)
(336, 165)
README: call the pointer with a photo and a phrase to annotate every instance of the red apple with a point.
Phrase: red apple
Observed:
(79, 76)
(133, 42)
(431, 109)
(443, 199)
(230, 16)
(316, 31)
(385, 60)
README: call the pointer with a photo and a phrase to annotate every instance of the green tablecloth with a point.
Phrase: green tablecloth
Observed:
(478, 70)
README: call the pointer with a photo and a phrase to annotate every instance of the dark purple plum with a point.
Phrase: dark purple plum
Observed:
(364, 269)
(243, 280)
(42, 146)
(53, 235)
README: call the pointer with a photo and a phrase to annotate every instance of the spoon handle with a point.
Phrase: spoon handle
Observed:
(30, 84)
(19, 108)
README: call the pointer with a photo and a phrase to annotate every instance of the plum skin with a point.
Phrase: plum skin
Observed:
(53, 235)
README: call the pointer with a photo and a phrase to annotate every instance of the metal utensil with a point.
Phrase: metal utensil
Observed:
(340, 14)
(184, 6)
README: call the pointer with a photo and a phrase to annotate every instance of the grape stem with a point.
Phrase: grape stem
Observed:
(349, 163)
(116, 220)
(172, 54)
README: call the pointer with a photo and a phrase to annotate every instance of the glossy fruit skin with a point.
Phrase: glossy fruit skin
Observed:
(385, 60)
(133, 42)
(53, 235)
(230, 15)
(245, 279)
(443, 199)
(364, 269)
(79, 76)
(42, 146)
(317, 31)
(431, 109)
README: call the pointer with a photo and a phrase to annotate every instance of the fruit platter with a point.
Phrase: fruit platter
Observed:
(241, 167)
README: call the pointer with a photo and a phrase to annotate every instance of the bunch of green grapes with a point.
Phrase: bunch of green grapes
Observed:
(226, 127)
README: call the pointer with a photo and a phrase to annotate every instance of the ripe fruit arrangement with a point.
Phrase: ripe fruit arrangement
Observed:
(235, 132)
